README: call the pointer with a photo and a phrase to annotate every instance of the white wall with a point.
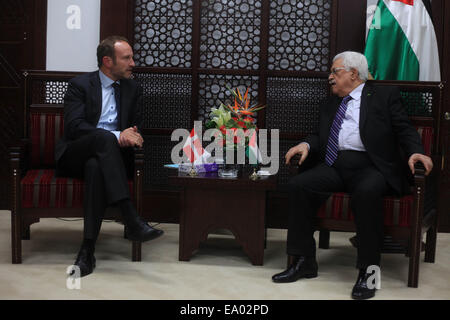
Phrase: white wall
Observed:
(73, 34)
(371, 5)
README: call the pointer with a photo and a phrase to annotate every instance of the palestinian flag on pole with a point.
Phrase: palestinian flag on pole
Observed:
(253, 153)
(401, 43)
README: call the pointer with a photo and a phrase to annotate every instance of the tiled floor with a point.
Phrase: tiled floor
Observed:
(219, 270)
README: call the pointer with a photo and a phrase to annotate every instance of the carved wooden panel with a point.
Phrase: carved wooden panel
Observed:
(48, 92)
(8, 121)
(157, 154)
(444, 178)
(166, 100)
(292, 103)
(163, 33)
(20, 48)
(13, 12)
(230, 34)
(418, 103)
(213, 91)
(299, 35)
(231, 37)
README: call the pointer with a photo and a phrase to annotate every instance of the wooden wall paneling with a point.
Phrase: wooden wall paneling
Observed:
(38, 34)
(23, 30)
(202, 24)
(351, 25)
(195, 60)
(444, 41)
(162, 205)
(117, 18)
(9, 118)
(333, 30)
(441, 20)
(264, 44)
(347, 32)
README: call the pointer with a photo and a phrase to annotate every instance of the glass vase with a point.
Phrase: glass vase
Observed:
(230, 168)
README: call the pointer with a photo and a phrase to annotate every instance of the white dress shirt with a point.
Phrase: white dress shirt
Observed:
(349, 137)
(109, 117)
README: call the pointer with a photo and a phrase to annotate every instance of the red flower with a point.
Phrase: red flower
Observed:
(242, 124)
(246, 112)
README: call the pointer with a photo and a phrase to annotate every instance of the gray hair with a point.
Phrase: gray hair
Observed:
(354, 60)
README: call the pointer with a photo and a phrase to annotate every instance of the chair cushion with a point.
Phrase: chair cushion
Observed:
(46, 128)
(396, 211)
(42, 189)
(426, 135)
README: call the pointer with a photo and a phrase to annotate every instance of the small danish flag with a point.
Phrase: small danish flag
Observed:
(193, 148)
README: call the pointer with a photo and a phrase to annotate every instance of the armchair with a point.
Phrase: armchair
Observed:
(36, 192)
(406, 219)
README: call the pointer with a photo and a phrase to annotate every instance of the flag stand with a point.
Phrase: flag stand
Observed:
(193, 172)
(254, 176)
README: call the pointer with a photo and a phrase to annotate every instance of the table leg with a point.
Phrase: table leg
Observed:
(204, 211)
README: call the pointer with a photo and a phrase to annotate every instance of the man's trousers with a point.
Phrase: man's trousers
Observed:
(353, 172)
(99, 160)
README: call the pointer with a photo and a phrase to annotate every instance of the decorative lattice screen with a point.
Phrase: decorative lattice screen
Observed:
(189, 50)
(299, 35)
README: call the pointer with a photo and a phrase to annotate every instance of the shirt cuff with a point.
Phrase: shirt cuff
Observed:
(117, 134)
(307, 144)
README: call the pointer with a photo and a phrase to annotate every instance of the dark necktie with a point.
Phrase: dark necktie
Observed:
(116, 87)
(333, 139)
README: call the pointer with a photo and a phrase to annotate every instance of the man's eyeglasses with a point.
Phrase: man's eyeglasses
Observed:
(335, 70)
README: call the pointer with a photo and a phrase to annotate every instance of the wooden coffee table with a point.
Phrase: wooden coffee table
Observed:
(209, 202)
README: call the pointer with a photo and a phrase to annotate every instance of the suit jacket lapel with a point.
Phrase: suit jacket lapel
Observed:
(366, 97)
(97, 96)
(333, 109)
(123, 111)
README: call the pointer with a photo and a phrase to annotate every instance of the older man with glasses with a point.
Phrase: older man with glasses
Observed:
(356, 142)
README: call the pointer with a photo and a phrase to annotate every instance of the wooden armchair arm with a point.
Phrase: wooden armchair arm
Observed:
(16, 163)
(19, 146)
(295, 168)
(138, 168)
(138, 158)
(138, 191)
(419, 175)
(138, 177)
(17, 153)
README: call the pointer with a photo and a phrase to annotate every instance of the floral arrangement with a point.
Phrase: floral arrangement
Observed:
(228, 118)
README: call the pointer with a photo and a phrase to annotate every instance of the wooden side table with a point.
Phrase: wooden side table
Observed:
(209, 202)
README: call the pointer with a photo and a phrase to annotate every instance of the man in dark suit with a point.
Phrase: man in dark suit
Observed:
(102, 118)
(357, 140)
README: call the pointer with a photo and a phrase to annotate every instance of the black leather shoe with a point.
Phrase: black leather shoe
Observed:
(360, 289)
(301, 267)
(141, 231)
(85, 261)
